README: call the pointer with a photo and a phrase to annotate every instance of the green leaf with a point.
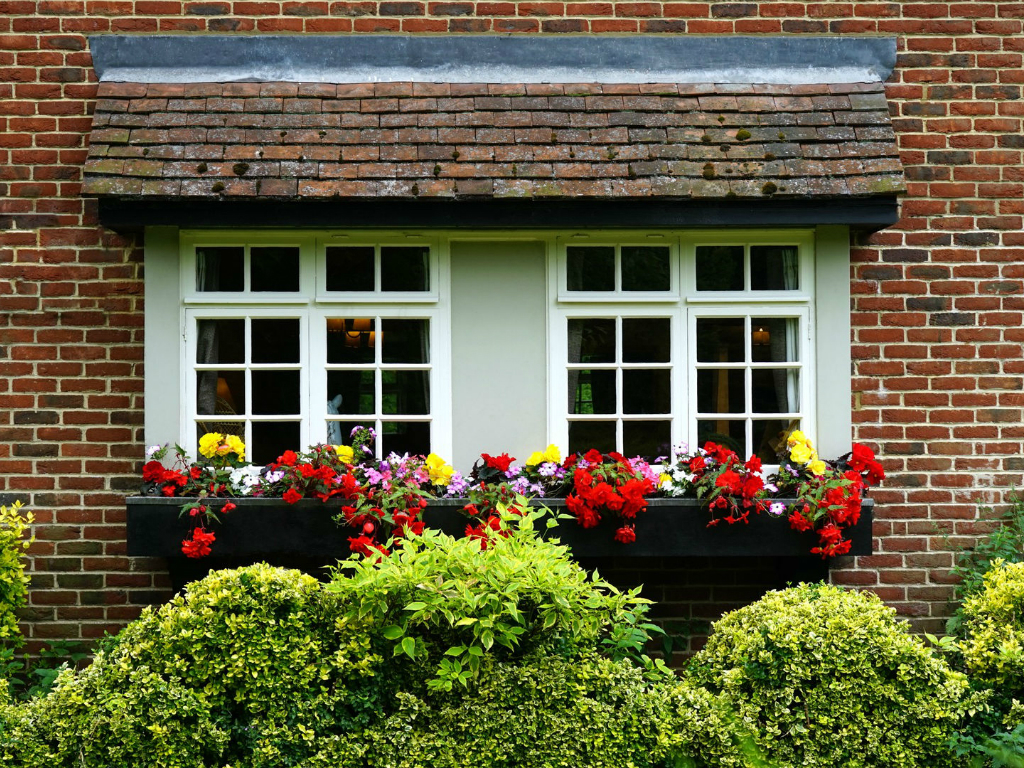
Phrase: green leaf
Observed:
(409, 647)
(393, 632)
(417, 606)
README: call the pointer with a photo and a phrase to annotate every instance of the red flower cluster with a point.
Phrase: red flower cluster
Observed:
(500, 463)
(834, 501)
(734, 488)
(607, 484)
(198, 545)
(169, 480)
(486, 530)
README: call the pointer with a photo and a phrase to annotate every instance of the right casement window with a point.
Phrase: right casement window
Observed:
(659, 340)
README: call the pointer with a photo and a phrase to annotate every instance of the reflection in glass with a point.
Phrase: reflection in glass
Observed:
(769, 437)
(401, 437)
(274, 268)
(351, 340)
(220, 341)
(720, 340)
(405, 392)
(220, 268)
(406, 341)
(774, 339)
(350, 268)
(591, 391)
(645, 268)
(719, 267)
(270, 439)
(649, 439)
(775, 390)
(584, 435)
(275, 392)
(646, 339)
(774, 268)
(405, 268)
(591, 340)
(355, 390)
(728, 432)
(721, 391)
(275, 340)
(646, 391)
(590, 268)
(220, 393)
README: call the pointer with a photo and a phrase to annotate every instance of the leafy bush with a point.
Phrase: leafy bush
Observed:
(261, 667)
(13, 581)
(993, 649)
(828, 677)
(1005, 543)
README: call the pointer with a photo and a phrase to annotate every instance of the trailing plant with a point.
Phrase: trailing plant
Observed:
(829, 677)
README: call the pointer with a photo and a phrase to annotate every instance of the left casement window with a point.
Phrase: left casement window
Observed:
(294, 341)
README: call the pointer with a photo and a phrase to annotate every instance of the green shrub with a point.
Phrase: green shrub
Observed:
(993, 649)
(13, 581)
(829, 677)
(263, 668)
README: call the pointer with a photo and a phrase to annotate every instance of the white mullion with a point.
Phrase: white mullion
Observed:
(378, 280)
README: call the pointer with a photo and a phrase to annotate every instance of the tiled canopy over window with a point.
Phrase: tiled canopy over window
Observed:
(800, 127)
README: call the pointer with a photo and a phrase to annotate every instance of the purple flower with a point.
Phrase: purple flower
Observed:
(771, 487)
(457, 485)
(513, 471)
(777, 508)
(548, 469)
(274, 477)
(537, 489)
(521, 485)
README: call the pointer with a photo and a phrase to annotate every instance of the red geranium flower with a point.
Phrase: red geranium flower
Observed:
(152, 472)
(292, 496)
(593, 456)
(626, 534)
(500, 463)
(199, 544)
(798, 522)
(288, 458)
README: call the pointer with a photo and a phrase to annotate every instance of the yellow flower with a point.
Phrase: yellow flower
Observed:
(236, 446)
(440, 471)
(551, 453)
(209, 443)
(817, 467)
(796, 437)
(800, 453)
(345, 453)
(663, 478)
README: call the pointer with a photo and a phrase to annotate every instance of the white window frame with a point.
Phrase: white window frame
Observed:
(826, 387)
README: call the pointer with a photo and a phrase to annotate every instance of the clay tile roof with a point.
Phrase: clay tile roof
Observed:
(312, 140)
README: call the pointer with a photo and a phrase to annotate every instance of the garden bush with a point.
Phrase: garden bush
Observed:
(993, 649)
(13, 581)
(829, 677)
(439, 653)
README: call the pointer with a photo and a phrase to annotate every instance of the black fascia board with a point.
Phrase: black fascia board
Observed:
(132, 215)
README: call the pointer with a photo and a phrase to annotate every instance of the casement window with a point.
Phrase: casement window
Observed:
(463, 343)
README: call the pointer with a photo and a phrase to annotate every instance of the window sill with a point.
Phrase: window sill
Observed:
(262, 528)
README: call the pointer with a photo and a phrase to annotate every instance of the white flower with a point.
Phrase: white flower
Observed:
(151, 450)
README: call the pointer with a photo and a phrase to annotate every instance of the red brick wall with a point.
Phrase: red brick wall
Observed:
(937, 315)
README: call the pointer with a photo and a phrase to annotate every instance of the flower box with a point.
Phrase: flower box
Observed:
(268, 527)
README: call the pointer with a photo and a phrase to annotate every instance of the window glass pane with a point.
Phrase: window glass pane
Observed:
(350, 268)
(340, 432)
(401, 437)
(649, 439)
(350, 392)
(775, 390)
(350, 340)
(220, 392)
(274, 269)
(405, 392)
(720, 391)
(592, 341)
(406, 341)
(645, 268)
(275, 340)
(584, 435)
(731, 434)
(591, 391)
(220, 268)
(272, 438)
(769, 436)
(719, 267)
(405, 268)
(646, 391)
(275, 392)
(646, 339)
(720, 340)
(774, 339)
(220, 341)
(774, 268)
(590, 268)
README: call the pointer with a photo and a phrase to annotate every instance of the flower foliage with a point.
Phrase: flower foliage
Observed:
(610, 484)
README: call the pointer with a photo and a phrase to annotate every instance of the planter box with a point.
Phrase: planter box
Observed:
(264, 528)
